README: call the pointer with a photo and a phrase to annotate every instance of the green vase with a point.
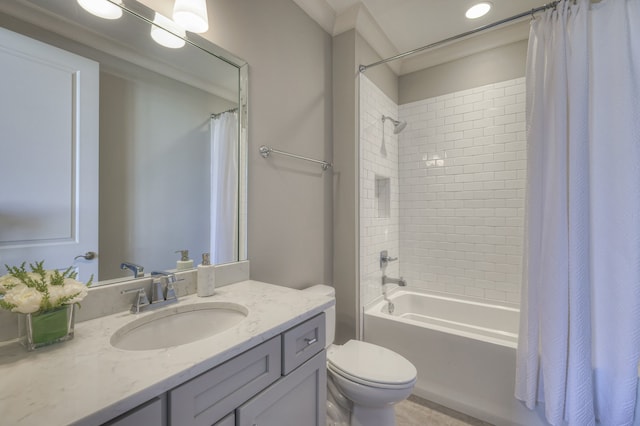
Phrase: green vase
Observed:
(45, 328)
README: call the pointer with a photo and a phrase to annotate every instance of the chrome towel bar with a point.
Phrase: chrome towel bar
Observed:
(265, 151)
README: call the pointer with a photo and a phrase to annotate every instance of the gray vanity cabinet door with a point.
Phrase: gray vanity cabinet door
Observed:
(298, 399)
(213, 395)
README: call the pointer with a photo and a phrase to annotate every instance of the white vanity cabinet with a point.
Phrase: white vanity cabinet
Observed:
(281, 382)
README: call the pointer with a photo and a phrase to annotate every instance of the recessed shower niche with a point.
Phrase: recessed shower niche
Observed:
(382, 202)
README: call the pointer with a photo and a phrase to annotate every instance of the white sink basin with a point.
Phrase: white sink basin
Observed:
(178, 325)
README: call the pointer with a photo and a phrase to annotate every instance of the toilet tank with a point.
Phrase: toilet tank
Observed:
(330, 313)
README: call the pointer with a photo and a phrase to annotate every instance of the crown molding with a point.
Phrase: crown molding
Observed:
(355, 17)
(320, 11)
(370, 31)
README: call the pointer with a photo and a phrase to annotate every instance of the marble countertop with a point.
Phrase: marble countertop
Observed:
(87, 381)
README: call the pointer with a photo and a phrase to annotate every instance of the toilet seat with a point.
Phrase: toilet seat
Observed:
(375, 385)
(371, 365)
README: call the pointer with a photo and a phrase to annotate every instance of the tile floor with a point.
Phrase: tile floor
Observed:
(416, 411)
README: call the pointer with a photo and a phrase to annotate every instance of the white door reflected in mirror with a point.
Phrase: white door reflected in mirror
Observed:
(49, 161)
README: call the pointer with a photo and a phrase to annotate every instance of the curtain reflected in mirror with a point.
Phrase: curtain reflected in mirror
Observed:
(224, 187)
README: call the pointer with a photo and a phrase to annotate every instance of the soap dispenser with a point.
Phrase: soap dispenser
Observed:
(184, 262)
(206, 284)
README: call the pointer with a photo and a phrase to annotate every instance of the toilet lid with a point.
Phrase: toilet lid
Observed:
(371, 363)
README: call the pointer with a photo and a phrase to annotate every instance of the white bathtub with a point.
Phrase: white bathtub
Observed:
(464, 350)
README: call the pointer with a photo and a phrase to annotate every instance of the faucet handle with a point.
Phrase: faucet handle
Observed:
(385, 258)
(170, 279)
(170, 291)
(141, 299)
(156, 291)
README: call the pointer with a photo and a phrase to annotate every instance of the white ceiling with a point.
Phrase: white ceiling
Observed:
(397, 26)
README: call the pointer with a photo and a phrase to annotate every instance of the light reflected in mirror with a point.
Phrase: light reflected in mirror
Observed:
(172, 144)
(102, 8)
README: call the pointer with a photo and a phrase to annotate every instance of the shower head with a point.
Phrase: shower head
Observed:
(398, 126)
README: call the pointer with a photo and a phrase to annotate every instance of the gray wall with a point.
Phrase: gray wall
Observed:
(290, 201)
(345, 213)
(491, 66)
(349, 51)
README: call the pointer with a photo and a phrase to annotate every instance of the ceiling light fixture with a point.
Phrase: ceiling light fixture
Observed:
(191, 15)
(102, 8)
(171, 37)
(478, 10)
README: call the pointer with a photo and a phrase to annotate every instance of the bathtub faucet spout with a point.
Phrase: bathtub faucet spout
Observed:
(400, 281)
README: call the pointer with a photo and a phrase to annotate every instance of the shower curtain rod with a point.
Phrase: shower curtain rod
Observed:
(531, 12)
(216, 115)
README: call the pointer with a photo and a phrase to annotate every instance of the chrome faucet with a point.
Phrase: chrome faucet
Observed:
(386, 280)
(162, 293)
(169, 294)
(400, 281)
(136, 269)
(390, 306)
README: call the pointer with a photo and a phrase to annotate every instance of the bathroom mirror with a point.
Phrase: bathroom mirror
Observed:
(164, 116)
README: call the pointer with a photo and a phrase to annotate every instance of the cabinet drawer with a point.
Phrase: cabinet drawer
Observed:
(212, 395)
(302, 342)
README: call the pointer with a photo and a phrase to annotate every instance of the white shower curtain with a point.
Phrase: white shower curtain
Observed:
(580, 313)
(224, 188)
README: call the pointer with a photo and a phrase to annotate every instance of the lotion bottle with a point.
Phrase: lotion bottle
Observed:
(206, 284)
(184, 262)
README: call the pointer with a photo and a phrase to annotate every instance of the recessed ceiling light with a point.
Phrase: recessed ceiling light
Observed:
(478, 10)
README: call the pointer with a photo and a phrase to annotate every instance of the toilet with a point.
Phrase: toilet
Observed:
(364, 380)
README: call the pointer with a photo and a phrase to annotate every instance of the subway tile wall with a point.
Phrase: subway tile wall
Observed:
(462, 171)
(379, 193)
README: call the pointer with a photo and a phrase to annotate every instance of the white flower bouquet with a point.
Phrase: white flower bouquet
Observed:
(39, 290)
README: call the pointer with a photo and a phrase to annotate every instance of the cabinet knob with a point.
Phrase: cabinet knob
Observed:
(310, 341)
